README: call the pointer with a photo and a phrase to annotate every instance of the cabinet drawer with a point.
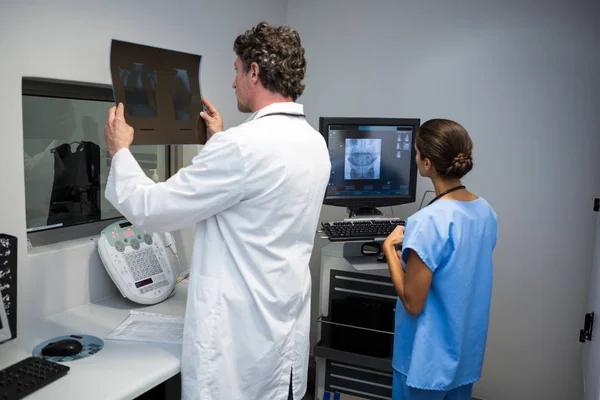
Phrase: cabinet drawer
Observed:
(358, 381)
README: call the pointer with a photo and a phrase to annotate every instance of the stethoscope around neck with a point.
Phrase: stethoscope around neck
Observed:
(439, 196)
(283, 113)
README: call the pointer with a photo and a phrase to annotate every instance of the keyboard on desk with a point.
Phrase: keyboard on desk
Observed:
(27, 376)
(368, 229)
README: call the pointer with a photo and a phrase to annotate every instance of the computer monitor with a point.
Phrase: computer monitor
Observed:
(372, 163)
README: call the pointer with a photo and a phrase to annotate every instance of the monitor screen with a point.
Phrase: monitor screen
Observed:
(372, 161)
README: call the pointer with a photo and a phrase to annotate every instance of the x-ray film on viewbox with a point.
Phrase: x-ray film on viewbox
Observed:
(161, 92)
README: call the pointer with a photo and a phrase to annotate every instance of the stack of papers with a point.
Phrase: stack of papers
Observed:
(149, 327)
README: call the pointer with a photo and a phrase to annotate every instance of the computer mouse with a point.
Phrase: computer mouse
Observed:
(62, 348)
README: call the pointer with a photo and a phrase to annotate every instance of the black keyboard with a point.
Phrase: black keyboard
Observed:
(344, 231)
(27, 376)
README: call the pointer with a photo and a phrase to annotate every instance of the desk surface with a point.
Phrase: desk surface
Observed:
(121, 370)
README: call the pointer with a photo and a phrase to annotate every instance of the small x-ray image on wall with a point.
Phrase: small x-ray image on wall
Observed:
(140, 90)
(363, 159)
(161, 92)
(182, 95)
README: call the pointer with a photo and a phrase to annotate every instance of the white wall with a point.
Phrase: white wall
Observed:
(72, 42)
(522, 77)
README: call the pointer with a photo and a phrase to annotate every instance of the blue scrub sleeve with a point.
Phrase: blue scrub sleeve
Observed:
(423, 237)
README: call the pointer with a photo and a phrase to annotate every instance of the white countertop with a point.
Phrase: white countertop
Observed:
(121, 370)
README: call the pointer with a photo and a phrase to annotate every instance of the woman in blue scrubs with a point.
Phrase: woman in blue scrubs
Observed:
(443, 275)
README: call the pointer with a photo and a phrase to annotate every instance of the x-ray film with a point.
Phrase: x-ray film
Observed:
(161, 92)
(363, 159)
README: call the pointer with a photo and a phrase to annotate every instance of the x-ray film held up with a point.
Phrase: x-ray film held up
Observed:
(161, 92)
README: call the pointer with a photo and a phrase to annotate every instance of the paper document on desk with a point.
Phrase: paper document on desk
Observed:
(149, 327)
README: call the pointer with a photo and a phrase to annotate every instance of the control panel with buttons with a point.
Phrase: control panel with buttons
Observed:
(137, 262)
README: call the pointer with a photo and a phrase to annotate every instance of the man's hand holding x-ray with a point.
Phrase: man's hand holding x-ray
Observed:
(117, 133)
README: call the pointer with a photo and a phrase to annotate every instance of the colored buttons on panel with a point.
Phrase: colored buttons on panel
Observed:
(115, 234)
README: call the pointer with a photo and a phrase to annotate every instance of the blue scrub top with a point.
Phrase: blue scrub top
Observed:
(443, 347)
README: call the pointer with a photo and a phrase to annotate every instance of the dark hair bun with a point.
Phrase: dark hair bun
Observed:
(447, 145)
(461, 165)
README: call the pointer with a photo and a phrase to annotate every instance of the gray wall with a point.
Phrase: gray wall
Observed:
(522, 77)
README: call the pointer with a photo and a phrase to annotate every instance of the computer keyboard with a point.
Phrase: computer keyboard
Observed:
(343, 231)
(27, 376)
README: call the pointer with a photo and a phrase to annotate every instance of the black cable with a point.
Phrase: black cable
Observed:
(423, 198)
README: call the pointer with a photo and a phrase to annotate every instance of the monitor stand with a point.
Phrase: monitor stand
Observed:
(364, 212)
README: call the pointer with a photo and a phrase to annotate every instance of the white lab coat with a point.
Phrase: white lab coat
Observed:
(255, 194)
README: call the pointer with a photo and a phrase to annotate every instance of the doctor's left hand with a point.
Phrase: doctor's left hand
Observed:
(117, 133)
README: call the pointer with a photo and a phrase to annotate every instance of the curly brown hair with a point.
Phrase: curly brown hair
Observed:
(279, 55)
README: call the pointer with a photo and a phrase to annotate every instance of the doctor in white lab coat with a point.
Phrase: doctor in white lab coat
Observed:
(255, 193)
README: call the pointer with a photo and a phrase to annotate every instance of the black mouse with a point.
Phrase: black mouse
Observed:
(62, 348)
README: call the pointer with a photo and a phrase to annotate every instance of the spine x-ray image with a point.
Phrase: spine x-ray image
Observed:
(182, 95)
(140, 90)
(363, 159)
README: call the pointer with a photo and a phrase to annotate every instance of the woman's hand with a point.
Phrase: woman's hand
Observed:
(396, 237)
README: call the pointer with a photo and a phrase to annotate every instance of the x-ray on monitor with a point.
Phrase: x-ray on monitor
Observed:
(372, 162)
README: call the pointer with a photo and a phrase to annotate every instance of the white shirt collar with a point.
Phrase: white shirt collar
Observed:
(285, 107)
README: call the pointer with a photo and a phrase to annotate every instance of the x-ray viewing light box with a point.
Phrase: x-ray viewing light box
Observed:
(66, 160)
(372, 161)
